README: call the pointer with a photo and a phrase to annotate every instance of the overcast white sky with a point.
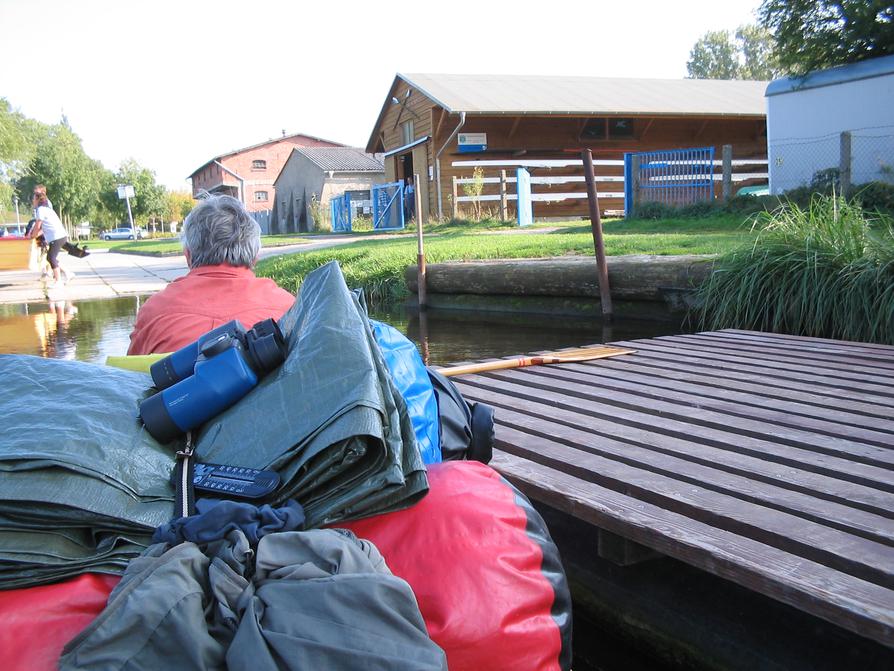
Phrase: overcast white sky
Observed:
(175, 83)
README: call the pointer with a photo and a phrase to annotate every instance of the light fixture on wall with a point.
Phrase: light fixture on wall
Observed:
(396, 101)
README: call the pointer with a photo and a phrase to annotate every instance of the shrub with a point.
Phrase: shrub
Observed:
(825, 181)
(361, 223)
(749, 204)
(653, 211)
(474, 190)
(704, 208)
(875, 197)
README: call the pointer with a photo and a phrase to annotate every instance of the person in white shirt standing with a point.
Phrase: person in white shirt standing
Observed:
(48, 224)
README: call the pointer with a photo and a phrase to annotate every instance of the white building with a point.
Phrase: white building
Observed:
(806, 116)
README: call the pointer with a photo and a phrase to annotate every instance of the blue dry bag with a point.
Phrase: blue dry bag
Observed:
(411, 379)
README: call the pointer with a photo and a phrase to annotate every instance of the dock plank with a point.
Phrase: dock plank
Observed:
(777, 443)
(827, 357)
(765, 459)
(835, 409)
(860, 606)
(874, 392)
(730, 401)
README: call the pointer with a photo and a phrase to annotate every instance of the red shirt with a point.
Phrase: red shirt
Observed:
(202, 300)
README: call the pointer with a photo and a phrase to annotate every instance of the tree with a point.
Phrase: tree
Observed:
(758, 49)
(15, 151)
(179, 204)
(713, 57)
(474, 189)
(817, 34)
(717, 55)
(72, 178)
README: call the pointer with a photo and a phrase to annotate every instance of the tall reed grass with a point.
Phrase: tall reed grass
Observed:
(826, 270)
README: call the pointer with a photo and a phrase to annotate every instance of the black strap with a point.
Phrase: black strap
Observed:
(185, 496)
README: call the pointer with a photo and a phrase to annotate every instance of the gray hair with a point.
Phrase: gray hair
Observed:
(220, 230)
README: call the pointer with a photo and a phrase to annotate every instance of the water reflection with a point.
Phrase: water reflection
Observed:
(93, 330)
(82, 330)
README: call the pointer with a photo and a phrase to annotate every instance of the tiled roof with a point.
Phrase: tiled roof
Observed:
(342, 159)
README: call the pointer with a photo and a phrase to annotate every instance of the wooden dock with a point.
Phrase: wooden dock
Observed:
(767, 460)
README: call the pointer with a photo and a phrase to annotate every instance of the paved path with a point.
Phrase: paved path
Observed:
(105, 274)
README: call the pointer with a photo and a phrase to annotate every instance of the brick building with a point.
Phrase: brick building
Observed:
(249, 173)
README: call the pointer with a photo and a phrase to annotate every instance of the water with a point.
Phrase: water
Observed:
(93, 330)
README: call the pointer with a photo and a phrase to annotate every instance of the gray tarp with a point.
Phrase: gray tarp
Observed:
(317, 599)
(85, 484)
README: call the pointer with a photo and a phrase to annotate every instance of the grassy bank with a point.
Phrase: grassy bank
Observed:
(172, 246)
(826, 270)
(377, 265)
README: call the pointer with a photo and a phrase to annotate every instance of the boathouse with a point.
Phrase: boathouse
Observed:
(441, 126)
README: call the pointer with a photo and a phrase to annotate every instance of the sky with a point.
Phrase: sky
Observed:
(173, 84)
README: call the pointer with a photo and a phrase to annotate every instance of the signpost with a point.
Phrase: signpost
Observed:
(126, 192)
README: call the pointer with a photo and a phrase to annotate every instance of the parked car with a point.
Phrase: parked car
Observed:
(124, 234)
(17, 230)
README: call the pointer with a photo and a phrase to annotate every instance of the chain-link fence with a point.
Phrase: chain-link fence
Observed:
(872, 155)
(856, 156)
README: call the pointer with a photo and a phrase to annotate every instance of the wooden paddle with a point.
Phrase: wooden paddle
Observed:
(563, 356)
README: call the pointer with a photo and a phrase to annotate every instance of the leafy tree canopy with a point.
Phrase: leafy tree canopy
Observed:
(817, 34)
(80, 187)
(15, 151)
(180, 203)
(59, 161)
(746, 55)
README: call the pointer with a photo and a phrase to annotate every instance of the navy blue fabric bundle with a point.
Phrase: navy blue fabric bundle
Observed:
(215, 519)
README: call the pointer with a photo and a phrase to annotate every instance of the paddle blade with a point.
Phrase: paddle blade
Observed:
(562, 356)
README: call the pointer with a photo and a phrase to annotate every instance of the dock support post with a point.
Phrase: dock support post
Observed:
(420, 249)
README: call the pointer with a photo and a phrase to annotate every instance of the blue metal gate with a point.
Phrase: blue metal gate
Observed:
(340, 208)
(388, 206)
(674, 177)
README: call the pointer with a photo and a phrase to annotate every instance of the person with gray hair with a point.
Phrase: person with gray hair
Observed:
(221, 242)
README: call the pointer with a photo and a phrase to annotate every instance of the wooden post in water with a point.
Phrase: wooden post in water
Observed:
(420, 249)
(605, 297)
(423, 337)
(503, 195)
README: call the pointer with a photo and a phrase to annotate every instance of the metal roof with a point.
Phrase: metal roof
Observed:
(540, 94)
(342, 159)
(873, 67)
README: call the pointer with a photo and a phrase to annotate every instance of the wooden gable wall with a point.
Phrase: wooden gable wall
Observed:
(516, 137)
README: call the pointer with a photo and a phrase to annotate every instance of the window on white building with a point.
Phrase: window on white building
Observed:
(259, 165)
(260, 195)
